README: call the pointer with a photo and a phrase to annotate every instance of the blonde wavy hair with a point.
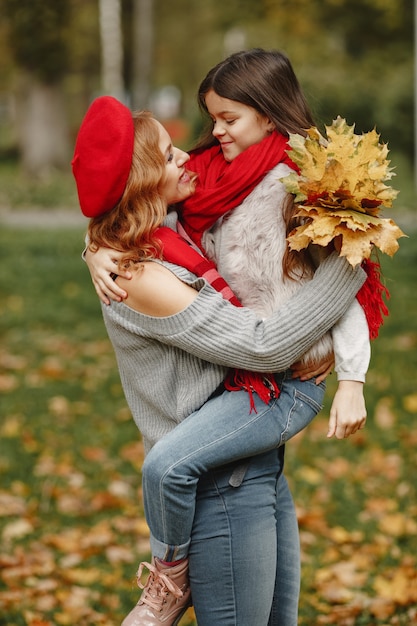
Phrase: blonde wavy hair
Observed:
(130, 226)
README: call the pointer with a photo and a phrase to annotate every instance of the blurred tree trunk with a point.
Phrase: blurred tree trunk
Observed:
(42, 127)
(37, 33)
(142, 52)
(111, 48)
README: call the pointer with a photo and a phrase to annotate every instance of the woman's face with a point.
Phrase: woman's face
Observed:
(178, 183)
(235, 125)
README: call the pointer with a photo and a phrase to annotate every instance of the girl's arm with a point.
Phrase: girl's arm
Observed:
(352, 356)
(351, 359)
(348, 410)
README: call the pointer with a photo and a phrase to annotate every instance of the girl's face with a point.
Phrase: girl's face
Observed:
(236, 125)
(178, 183)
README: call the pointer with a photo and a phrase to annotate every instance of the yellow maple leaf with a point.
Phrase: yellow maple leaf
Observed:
(340, 189)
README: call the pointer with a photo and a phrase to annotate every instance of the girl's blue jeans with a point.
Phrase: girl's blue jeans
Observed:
(222, 431)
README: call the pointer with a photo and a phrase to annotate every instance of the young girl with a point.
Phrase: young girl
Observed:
(254, 100)
(185, 335)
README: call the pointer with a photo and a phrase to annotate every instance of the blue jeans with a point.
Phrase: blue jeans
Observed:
(222, 431)
(244, 553)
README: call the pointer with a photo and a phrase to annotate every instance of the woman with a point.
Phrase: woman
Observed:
(253, 101)
(185, 336)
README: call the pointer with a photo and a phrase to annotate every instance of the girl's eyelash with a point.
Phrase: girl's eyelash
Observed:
(227, 121)
(170, 157)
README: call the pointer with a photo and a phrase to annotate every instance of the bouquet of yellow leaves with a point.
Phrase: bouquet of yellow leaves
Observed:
(340, 190)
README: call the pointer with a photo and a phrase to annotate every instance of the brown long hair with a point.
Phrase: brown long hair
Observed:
(130, 226)
(266, 81)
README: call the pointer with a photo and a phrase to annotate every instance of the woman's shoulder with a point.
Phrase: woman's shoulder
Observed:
(156, 290)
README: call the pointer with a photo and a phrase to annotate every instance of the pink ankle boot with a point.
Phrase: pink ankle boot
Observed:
(165, 596)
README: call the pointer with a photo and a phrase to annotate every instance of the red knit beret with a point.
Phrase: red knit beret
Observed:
(103, 155)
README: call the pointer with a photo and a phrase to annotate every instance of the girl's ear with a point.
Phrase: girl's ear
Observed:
(270, 127)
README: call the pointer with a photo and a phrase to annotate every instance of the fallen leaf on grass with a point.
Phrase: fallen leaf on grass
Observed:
(134, 453)
(8, 382)
(382, 608)
(81, 575)
(33, 619)
(119, 554)
(59, 406)
(53, 368)
(345, 573)
(397, 587)
(397, 525)
(384, 414)
(11, 505)
(17, 529)
(410, 403)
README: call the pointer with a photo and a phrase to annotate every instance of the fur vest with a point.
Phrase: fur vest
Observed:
(248, 245)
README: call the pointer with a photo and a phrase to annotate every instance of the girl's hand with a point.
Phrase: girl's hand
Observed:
(102, 265)
(321, 371)
(348, 411)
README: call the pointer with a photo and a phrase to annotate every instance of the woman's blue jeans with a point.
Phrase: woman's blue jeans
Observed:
(222, 431)
(244, 553)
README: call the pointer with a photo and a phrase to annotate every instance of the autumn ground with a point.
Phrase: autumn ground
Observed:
(71, 523)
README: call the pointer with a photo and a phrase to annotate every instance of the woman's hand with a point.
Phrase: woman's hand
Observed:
(348, 411)
(320, 371)
(102, 265)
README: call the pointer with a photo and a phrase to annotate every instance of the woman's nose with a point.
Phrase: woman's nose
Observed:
(182, 157)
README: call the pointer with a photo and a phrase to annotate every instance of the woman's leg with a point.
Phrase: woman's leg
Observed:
(222, 431)
(284, 610)
(233, 548)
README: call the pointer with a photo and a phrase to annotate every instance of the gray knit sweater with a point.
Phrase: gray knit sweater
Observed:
(170, 366)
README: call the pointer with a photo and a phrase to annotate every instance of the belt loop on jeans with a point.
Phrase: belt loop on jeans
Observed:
(236, 479)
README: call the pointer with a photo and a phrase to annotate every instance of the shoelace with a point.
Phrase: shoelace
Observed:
(157, 587)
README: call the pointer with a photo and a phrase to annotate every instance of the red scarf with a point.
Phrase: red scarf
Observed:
(371, 297)
(222, 186)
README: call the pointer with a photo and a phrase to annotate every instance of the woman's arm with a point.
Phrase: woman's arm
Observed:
(206, 325)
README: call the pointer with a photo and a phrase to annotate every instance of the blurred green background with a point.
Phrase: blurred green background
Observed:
(71, 524)
(354, 58)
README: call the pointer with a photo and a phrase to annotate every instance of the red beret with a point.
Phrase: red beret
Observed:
(103, 155)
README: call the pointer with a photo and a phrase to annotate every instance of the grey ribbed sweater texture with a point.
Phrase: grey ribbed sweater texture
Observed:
(170, 366)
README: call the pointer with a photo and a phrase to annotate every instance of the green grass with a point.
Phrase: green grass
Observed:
(357, 498)
(71, 523)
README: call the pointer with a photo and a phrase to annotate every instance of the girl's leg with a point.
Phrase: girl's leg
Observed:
(284, 610)
(233, 548)
(222, 431)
